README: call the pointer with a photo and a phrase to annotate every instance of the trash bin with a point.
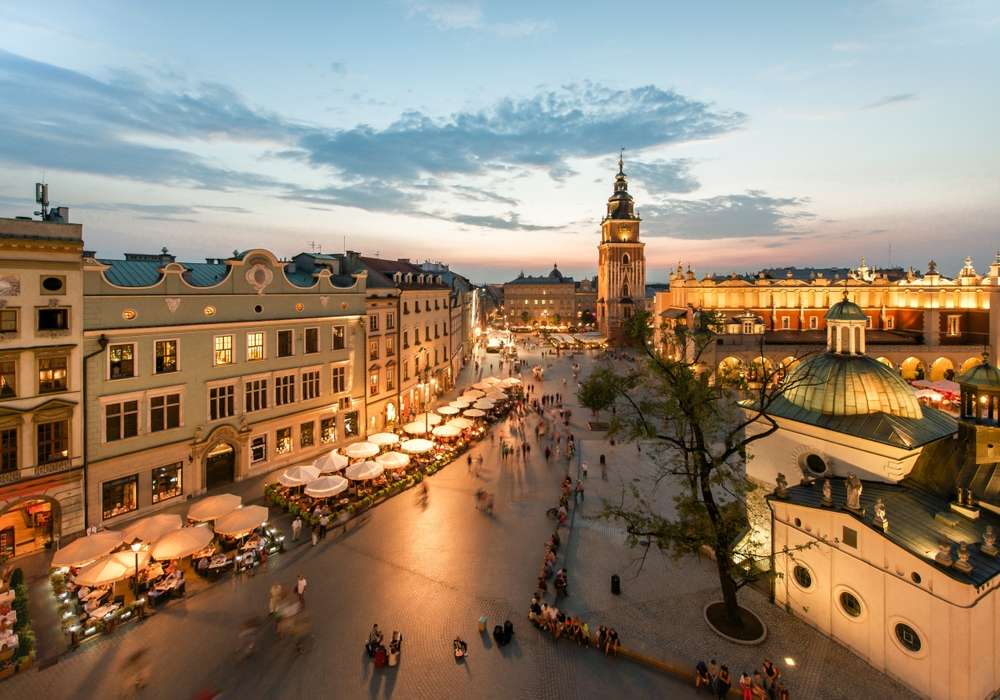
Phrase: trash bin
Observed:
(616, 584)
(482, 624)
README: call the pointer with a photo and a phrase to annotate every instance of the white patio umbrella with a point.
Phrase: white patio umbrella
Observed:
(417, 446)
(394, 460)
(181, 543)
(485, 404)
(213, 507)
(473, 413)
(473, 394)
(430, 418)
(152, 528)
(448, 410)
(327, 486)
(364, 471)
(361, 450)
(331, 462)
(492, 380)
(297, 476)
(383, 439)
(447, 431)
(84, 549)
(496, 395)
(461, 423)
(111, 568)
(415, 428)
(481, 386)
(460, 404)
(241, 520)
(511, 381)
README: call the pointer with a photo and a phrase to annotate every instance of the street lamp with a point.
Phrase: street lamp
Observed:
(136, 546)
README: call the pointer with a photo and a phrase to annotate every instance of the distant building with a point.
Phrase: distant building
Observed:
(41, 383)
(540, 301)
(621, 269)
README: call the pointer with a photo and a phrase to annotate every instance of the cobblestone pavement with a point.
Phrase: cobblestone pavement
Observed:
(428, 572)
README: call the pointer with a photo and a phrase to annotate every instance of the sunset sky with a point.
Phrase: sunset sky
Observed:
(486, 135)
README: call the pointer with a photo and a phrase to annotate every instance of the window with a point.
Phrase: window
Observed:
(954, 325)
(351, 426)
(224, 350)
(815, 464)
(258, 448)
(390, 379)
(121, 420)
(52, 374)
(436, 360)
(802, 576)
(8, 450)
(328, 430)
(312, 340)
(306, 434)
(166, 356)
(390, 346)
(436, 334)
(220, 401)
(121, 360)
(53, 319)
(406, 307)
(406, 370)
(373, 383)
(338, 338)
(908, 637)
(813, 323)
(284, 440)
(285, 344)
(256, 395)
(890, 322)
(8, 379)
(373, 323)
(786, 322)
(427, 333)
(406, 339)
(339, 379)
(868, 322)
(167, 482)
(373, 349)
(53, 285)
(8, 321)
(850, 604)
(164, 412)
(444, 350)
(390, 321)
(255, 346)
(850, 537)
(428, 303)
(625, 259)
(310, 385)
(284, 390)
(53, 441)
(119, 496)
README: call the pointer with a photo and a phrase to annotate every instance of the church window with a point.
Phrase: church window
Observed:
(786, 323)
(815, 464)
(850, 604)
(625, 293)
(850, 537)
(802, 576)
(625, 259)
(814, 323)
(908, 637)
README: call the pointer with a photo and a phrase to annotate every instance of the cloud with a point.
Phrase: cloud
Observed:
(338, 67)
(511, 223)
(128, 126)
(457, 16)
(889, 101)
(753, 214)
(663, 176)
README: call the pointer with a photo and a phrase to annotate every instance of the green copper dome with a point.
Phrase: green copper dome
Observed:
(847, 385)
(984, 376)
(845, 311)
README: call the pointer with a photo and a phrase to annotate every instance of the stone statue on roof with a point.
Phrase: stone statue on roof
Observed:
(854, 488)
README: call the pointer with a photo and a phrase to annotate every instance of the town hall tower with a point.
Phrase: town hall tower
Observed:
(621, 270)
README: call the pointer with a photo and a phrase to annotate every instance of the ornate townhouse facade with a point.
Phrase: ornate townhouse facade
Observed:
(200, 374)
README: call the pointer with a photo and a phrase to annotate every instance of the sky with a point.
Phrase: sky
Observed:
(486, 134)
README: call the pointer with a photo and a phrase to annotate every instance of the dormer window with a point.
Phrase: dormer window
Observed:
(409, 278)
(397, 278)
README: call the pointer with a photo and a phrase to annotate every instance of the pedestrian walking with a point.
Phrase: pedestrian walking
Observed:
(296, 527)
(469, 459)
(323, 522)
(263, 559)
(578, 491)
(275, 599)
(300, 589)
(583, 468)
(315, 535)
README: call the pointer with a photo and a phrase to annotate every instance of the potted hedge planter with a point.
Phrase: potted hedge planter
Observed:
(7, 669)
(24, 663)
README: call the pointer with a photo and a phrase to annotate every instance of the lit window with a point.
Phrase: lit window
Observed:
(52, 374)
(339, 379)
(283, 440)
(166, 356)
(224, 350)
(121, 360)
(53, 441)
(167, 482)
(255, 346)
(954, 325)
(328, 430)
(850, 604)
(339, 340)
(306, 434)
(312, 340)
(8, 379)
(373, 349)
(258, 448)
(373, 383)
(390, 379)
(119, 496)
(390, 346)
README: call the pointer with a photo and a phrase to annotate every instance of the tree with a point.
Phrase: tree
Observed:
(587, 318)
(525, 317)
(597, 392)
(556, 319)
(695, 427)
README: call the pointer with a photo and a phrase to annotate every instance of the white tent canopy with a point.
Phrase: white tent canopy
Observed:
(417, 446)
(181, 543)
(327, 486)
(84, 549)
(213, 507)
(330, 462)
(297, 476)
(111, 568)
(383, 439)
(361, 450)
(364, 471)
(241, 520)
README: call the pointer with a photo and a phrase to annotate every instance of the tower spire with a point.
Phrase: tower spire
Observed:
(621, 162)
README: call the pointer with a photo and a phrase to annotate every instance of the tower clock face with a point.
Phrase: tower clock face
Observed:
(624, 231)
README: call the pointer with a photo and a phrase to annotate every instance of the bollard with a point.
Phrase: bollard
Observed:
(482, 624)
(616, 584)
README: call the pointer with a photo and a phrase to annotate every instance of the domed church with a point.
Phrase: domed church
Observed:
(886, 539)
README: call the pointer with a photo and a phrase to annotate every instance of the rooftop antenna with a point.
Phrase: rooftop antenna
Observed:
(42, 197)
(345, 245)
(315, 247)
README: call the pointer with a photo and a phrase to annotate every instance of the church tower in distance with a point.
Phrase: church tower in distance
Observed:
(621, 269)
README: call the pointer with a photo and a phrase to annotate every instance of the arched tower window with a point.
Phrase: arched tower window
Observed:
(625, 293)
(625, 259)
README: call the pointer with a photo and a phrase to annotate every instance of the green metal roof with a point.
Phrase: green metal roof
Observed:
(984, 376)
(128, 273)
(300, 278)
(898, 431)
(845, 311)
(845, 385)
(910, 511)
(205, 274)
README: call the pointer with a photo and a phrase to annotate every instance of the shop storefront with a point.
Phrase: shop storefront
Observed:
(25, 527)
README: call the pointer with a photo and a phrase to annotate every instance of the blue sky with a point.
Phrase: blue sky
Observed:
(486, 134)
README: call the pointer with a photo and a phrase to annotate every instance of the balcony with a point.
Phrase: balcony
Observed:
(32, 472)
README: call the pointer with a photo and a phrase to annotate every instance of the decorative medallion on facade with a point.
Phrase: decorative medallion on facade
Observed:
(10, 285)
(172, 303)
(53, 303)
(259, 276)
(323, 301)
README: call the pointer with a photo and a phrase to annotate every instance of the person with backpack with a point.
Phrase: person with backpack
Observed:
(701, 675)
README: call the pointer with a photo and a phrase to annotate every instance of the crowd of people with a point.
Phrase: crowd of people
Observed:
(765, 684)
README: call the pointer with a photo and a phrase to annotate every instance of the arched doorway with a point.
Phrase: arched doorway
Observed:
(912, 369)
(28, 525)
(887, 362)
(731, 372)
(390, 412)
(970, 363)
(942, 368)
(761, 368)
(220, 465)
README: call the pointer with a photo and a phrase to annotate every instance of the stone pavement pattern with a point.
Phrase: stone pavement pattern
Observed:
(428, 572)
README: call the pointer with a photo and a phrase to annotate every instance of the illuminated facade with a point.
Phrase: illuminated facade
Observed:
(621, 271)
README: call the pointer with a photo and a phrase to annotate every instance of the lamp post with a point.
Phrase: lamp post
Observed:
(135, 550)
